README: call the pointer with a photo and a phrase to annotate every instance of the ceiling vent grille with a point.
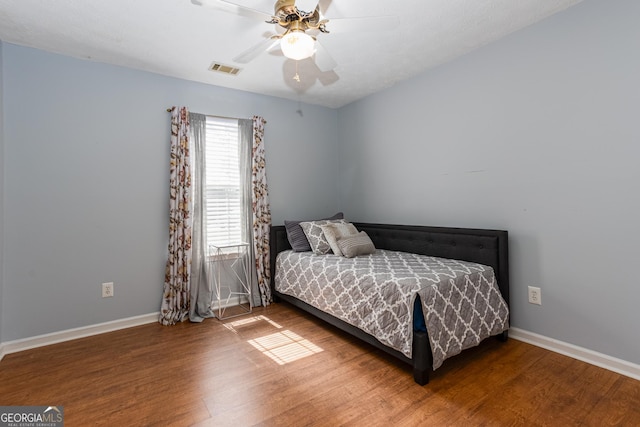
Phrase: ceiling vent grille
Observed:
(226, 69)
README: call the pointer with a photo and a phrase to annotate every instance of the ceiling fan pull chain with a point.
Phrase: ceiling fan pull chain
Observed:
(297, 76)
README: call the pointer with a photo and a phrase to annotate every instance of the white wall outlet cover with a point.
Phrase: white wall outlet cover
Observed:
(107, 290)
(535, 295)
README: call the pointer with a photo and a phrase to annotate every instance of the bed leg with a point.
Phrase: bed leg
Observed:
(504, 336)
(421, 358)
(421, 377)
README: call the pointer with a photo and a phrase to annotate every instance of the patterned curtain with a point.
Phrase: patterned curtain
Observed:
(261, 211)
(175, 301)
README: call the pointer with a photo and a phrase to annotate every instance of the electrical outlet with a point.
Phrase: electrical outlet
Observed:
(107, 290)
(535, 295)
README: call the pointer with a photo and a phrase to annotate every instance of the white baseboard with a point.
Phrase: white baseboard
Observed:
(589, 356)
(72, 334)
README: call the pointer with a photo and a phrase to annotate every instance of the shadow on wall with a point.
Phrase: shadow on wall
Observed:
(302, 75)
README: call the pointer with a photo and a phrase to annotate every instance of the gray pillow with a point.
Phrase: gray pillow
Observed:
(315, 235)
(296, 237)
(358, 244)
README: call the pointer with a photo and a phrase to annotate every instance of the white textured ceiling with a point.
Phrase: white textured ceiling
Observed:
(179, 39)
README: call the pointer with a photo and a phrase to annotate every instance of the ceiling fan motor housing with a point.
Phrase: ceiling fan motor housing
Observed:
(289, 17)
(285, 7)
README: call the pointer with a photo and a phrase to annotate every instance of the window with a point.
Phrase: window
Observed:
(223, 193)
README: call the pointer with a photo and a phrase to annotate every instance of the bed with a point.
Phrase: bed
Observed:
(475, 248)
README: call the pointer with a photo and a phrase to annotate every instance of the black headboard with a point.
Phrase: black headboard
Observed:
(488, 247)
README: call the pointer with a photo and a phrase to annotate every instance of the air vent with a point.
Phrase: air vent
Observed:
(220, 68)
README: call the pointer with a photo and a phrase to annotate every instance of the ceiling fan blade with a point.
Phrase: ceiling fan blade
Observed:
(363, 24)
(307, 5)
(324, 61)
(253, 52)
(237, 8)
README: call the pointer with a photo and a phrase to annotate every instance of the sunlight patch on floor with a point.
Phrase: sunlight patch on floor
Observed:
(235, 325)
(285, 347)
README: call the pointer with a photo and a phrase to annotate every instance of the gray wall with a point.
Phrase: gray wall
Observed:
(536, 134)
(86, 154)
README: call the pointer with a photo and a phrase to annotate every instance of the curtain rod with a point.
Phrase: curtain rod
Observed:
(212, 115)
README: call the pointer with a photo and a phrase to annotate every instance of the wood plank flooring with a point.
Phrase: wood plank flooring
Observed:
(281, 367)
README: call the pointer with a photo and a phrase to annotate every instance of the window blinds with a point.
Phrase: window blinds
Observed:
(222, 164)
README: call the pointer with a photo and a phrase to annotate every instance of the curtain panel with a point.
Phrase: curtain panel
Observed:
(176, 297)
(261, 211)
(201, 290)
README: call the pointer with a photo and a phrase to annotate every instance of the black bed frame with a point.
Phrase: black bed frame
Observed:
(488, 247)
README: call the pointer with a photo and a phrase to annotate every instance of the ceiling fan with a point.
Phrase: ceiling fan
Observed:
(293, 18)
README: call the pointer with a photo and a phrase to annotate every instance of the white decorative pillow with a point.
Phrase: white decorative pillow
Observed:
(360, 244)
(315, 236)
(333, 232)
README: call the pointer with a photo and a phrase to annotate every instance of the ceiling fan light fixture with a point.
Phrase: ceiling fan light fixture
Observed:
(297, 45)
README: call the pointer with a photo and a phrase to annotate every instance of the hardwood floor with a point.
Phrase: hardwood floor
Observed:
(279, 366)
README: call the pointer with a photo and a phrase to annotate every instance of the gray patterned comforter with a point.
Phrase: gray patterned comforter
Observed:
(461, 301)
